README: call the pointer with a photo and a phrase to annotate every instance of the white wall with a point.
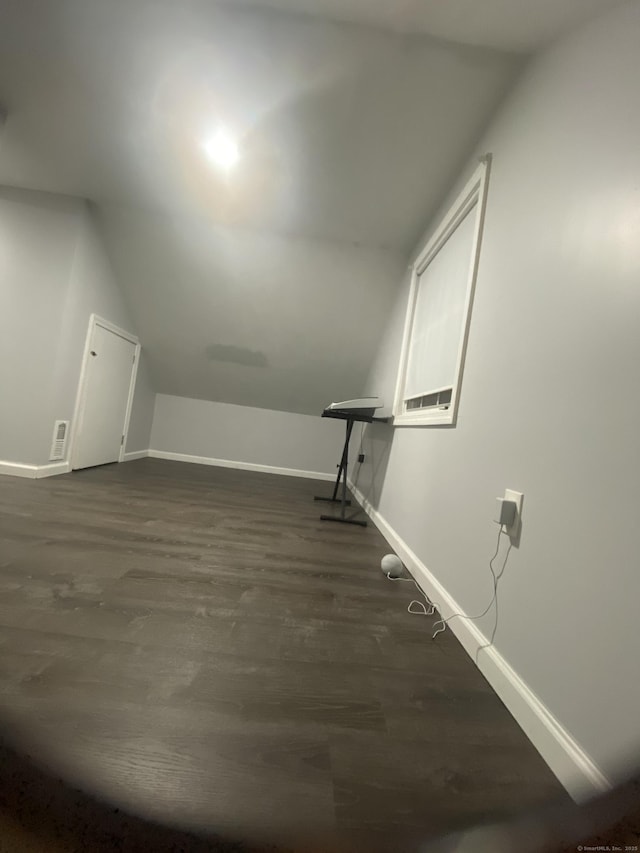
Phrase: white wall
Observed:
(549, 401)
(144, 398)
(38, 238)
(253, 437)
(309, 312)
(54, 274)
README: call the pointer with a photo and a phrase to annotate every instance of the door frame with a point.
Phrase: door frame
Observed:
(81, 395)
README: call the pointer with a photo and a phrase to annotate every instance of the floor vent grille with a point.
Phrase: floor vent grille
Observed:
(59, 443)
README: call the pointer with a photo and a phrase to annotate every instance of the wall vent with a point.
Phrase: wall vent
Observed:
(439, 400)
(59, 443)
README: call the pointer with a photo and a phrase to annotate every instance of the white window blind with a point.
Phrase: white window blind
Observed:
(440, 312)
(439, 306)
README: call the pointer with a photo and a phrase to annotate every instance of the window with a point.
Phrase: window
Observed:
(439, 312)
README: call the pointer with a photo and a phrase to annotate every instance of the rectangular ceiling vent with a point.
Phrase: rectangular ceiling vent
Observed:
(59, 443)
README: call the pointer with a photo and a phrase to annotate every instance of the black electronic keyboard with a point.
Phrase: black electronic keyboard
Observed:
(361, 410)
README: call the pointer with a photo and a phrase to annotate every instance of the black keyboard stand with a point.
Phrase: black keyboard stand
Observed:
(342, 471)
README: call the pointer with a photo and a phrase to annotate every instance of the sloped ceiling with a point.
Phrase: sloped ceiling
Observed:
(512, 25)
(346, 132)
(267, 286)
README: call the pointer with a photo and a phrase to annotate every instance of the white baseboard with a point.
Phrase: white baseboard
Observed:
(134, 454)
(34, 472)
(566, 758)
(52, 469)
(17, 469)
(245, 466)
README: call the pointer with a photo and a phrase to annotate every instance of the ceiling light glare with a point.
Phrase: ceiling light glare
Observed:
(222, 150)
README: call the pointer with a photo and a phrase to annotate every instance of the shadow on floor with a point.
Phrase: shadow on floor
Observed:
(39, 812)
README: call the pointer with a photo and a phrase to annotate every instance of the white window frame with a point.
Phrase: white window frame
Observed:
(474, 193)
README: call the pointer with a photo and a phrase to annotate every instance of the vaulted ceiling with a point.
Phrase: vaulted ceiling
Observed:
(352, 118)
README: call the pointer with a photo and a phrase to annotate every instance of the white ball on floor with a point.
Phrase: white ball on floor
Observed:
(391, 565)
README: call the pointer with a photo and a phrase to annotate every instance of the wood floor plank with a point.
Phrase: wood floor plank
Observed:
(194, 644)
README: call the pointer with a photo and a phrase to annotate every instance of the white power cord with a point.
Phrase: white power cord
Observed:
(443, 622)
(424, 612)
(432, 607)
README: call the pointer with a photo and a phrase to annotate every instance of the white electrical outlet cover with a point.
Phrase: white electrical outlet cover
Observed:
(516, 497)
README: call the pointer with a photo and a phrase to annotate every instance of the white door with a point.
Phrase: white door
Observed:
(105, 398)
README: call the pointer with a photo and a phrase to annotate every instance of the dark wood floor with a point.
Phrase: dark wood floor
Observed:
(193, 645)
